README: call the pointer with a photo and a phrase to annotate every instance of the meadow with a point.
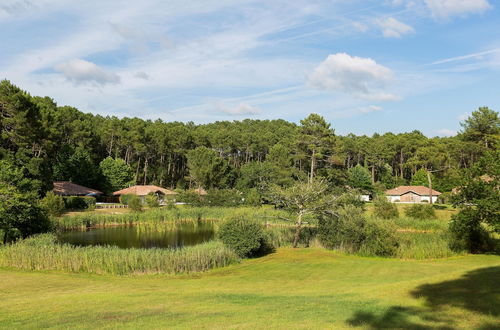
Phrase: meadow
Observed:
(292, 288)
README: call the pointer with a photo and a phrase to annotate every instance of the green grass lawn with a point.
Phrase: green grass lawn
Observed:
(301, 288)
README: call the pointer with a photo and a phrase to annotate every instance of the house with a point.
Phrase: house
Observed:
(411, 194)
(66, 188)
(143, 191)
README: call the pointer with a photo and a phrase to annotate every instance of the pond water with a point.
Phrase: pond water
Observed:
(168, 236)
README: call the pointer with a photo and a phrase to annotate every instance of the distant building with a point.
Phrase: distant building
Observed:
(411, 194)
(66, 188)
(143, 191)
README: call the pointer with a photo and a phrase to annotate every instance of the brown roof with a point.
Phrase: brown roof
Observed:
(419, 190)
(143, 191)
(66, 188)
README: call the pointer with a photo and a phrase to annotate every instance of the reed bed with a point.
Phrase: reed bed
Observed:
(424, 246)
(42, 252)
(421, 224)
(164, 215)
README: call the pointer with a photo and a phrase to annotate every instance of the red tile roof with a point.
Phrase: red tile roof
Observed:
(66, 188)
(419, 190)
(143, 191)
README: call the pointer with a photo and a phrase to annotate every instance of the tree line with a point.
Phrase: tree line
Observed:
(47, 143)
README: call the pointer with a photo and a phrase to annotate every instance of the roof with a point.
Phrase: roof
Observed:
(66, 188)
(143, 190)
(419, 190)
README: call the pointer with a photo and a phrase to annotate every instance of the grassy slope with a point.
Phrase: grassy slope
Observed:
(302, 288)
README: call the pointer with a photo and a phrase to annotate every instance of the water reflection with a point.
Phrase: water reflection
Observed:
(160, 236)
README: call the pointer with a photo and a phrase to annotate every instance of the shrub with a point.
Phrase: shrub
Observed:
(79, 202)
(252, 197)
(134, 203)
(52, 204)
(190, 197)
(420, 211)
(350, 231)
(245, 237)
(467, 233)
(223, 197)
(124, 199)
(384, 209)
(152, 201)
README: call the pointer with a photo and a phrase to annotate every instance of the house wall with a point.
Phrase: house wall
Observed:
(394, 198)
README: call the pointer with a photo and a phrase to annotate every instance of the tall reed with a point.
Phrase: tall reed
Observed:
(163, 215)
(42, 252)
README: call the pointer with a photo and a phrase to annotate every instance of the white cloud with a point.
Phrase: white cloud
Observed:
(447, 8)
(358, 76)
(238, 110)
(80, 71)
(446, 132)
(392, 28)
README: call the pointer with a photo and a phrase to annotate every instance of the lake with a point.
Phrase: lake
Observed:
(167, 236)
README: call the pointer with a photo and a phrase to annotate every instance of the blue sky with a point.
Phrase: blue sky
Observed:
(366, 66)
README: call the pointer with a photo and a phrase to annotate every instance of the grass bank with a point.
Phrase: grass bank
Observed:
(41, 252)
(292, 289)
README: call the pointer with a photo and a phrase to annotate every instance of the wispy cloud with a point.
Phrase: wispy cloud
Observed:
(447, 8)
(446, 132)
(392, 28)
(238, 110)
(478, 55)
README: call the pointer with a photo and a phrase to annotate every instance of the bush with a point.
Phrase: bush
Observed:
(124, 199)
(79, 202)
(223, 197)
(152, 201)
(384, 209)
(350, 231)
(467, 233)
(134, 203)
(420, 211)
(245, 237)
(252, 197)
(52, 204)
(190, 197)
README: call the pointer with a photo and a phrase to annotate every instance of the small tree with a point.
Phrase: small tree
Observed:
(479, 202)
(117, 174)
(134, 203)
(52, 204)
(152, 201)
(360, 178)
(384, 209)
(302, 199)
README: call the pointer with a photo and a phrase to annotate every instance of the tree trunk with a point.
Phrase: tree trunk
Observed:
(373, 173)
(313, 161)
(297, 231)
(430, 186)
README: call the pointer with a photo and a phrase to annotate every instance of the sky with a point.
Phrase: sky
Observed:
(366, 66)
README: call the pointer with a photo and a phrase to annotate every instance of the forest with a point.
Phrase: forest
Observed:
(47, 143)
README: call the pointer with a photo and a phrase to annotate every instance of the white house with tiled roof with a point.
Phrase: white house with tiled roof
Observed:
(412, 194)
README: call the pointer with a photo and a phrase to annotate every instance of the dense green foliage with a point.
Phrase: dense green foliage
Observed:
(59, 142)
(479, 201)
(349, 230)
(79, 202)
(134, 203)
(116, 173)
(420, 211)
(359, 177)
(384, 209)
(52, 204)
(152, 201)
(246, 237)
(42, 252)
